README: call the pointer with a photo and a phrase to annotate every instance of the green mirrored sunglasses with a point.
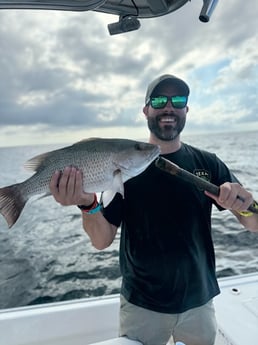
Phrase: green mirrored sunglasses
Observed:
(160, 102)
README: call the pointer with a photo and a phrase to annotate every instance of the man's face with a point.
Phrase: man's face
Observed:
(166, 123)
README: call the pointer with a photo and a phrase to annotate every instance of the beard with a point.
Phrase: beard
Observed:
(166, 132)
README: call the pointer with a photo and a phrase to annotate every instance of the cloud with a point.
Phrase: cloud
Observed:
(63, 70)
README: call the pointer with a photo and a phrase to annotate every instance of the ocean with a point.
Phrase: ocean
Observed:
(47, 257)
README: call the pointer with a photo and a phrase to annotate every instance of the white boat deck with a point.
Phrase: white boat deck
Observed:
(237, 310)
(95, 320)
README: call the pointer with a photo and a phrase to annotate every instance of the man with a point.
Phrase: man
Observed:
(166, 250)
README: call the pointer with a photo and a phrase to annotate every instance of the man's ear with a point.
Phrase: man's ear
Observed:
(145, 110)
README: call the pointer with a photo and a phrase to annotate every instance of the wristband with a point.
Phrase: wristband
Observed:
(245, 213)
(248, 213)
(91, 209)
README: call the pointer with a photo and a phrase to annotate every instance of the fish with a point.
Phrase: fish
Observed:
(106, 164)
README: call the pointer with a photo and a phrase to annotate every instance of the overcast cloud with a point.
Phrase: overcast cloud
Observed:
(63, 77)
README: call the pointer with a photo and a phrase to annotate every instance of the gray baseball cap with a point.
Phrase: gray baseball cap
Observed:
(183, 88)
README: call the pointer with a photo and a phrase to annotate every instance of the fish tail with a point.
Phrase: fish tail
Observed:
(12, 202)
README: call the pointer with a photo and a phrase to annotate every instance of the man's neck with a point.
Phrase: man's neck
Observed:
(166, 146)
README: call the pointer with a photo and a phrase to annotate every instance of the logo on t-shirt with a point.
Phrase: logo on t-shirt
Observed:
(202, 173)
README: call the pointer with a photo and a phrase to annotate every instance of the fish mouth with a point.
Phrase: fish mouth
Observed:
(156, 153)
(153, 154)
(151, 157)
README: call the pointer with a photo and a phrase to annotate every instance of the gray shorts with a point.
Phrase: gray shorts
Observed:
(196, 326)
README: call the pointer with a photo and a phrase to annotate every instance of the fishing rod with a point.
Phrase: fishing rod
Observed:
(173, 169)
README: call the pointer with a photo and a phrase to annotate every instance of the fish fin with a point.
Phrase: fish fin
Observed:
(34, 163)
(37, 162)
(12, 203)
(86, 139)
(117, 187)
(107, 197)
(44, 196)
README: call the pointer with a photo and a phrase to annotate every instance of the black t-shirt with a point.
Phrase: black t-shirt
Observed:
(167, 257)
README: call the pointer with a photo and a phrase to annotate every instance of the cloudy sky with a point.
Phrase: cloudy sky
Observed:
(64, 78)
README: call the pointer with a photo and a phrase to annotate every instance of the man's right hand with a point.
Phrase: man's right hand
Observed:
(67, 188)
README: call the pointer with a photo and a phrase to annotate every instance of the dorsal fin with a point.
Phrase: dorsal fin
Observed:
(34, 163)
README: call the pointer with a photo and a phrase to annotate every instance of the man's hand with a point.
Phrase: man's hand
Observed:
(67, 188)
(233, 196)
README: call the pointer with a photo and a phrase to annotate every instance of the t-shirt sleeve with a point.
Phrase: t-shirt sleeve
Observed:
(113, 212)
(224, 174)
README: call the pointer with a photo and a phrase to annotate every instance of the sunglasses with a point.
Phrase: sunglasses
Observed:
(159, 102)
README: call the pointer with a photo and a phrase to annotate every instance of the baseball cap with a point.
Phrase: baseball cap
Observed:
(183, 88)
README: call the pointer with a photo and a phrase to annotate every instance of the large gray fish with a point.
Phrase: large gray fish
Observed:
(105, 163)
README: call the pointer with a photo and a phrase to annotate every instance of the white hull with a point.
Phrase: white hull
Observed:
(92, 320)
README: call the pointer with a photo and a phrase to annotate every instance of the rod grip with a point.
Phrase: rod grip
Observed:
(173, 169)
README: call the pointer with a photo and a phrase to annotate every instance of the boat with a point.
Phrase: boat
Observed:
(128, 11)
(95, 320)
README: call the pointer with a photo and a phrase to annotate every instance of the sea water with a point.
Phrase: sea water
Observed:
(47, 256)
